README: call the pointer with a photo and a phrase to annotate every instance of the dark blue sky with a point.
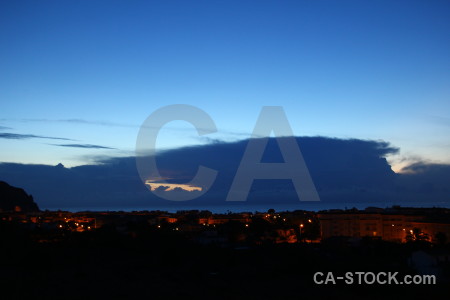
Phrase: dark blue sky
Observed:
(92, 71)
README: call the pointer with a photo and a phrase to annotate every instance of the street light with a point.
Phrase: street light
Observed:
(301, 227)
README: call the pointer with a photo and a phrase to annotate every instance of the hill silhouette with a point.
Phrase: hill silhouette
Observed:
(15, 199)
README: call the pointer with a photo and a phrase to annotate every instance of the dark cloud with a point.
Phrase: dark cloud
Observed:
(344, 171)
(161, 188)
(86, 146)
(17, 136)
(428, 177)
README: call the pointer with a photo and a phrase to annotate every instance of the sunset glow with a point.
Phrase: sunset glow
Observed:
(163, 186)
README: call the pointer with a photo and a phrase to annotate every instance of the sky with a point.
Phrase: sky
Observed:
(78, 78)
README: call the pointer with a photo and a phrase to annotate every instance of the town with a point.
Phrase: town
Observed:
(394, 224)
(120, 254)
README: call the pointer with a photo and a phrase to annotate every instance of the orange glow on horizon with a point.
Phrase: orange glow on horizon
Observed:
(171, 186)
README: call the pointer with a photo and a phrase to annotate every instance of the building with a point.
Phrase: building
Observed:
(387, 225)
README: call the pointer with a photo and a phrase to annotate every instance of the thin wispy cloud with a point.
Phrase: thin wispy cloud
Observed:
(85, 146)
(115, 124)
(18, 136)
(5, 128)
(80, 121)
(439, 120)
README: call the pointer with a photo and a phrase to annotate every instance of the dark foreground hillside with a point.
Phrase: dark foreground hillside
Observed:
(15, 199)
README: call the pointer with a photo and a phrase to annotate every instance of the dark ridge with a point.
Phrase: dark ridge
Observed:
(15, 199)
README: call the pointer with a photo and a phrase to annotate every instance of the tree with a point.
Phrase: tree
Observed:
(441, 238)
